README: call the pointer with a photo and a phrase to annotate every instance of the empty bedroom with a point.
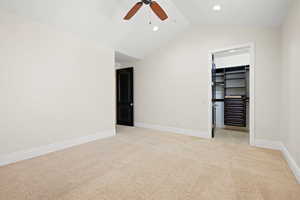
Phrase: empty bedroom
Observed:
(149, 100)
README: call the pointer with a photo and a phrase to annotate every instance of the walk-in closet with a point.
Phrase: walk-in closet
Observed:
(230, 79)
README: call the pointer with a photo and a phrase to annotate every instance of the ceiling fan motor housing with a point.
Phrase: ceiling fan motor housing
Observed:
(155, 7)
(147, 2)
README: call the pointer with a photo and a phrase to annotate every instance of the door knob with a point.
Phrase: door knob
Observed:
(131, 104)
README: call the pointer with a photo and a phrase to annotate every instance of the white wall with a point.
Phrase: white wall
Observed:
(291, 70)
(53, 86)
(172, 85)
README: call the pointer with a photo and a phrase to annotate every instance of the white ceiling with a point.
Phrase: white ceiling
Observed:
(235, 12)
(101, 20)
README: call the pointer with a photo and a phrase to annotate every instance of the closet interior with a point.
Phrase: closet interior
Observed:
(232, 91)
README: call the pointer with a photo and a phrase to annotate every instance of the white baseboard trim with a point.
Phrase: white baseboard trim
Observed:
(291, 162)
(174, 130)
(39, 151)
(276, 145)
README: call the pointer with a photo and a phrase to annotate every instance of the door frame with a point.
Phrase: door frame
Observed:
(213, 89)
(132, 91)
(252, 68)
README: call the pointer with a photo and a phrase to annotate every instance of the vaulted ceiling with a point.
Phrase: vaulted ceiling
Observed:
(101, 20)
(235, 12)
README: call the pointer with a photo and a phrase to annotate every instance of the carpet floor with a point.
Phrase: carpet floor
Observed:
(232, 136)
(141, 164)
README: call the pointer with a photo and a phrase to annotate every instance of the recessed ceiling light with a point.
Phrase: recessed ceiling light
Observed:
(217, 7)
(232, 51)
(155, 28)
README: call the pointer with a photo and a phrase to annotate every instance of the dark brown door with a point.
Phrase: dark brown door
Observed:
(125, 106)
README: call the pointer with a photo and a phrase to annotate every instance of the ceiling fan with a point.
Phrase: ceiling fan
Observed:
(153, 5)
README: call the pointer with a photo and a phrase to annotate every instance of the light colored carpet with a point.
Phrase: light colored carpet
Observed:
(142, 164)
(232, 136)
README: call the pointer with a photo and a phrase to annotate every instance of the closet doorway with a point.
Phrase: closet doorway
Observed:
(232, 94)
